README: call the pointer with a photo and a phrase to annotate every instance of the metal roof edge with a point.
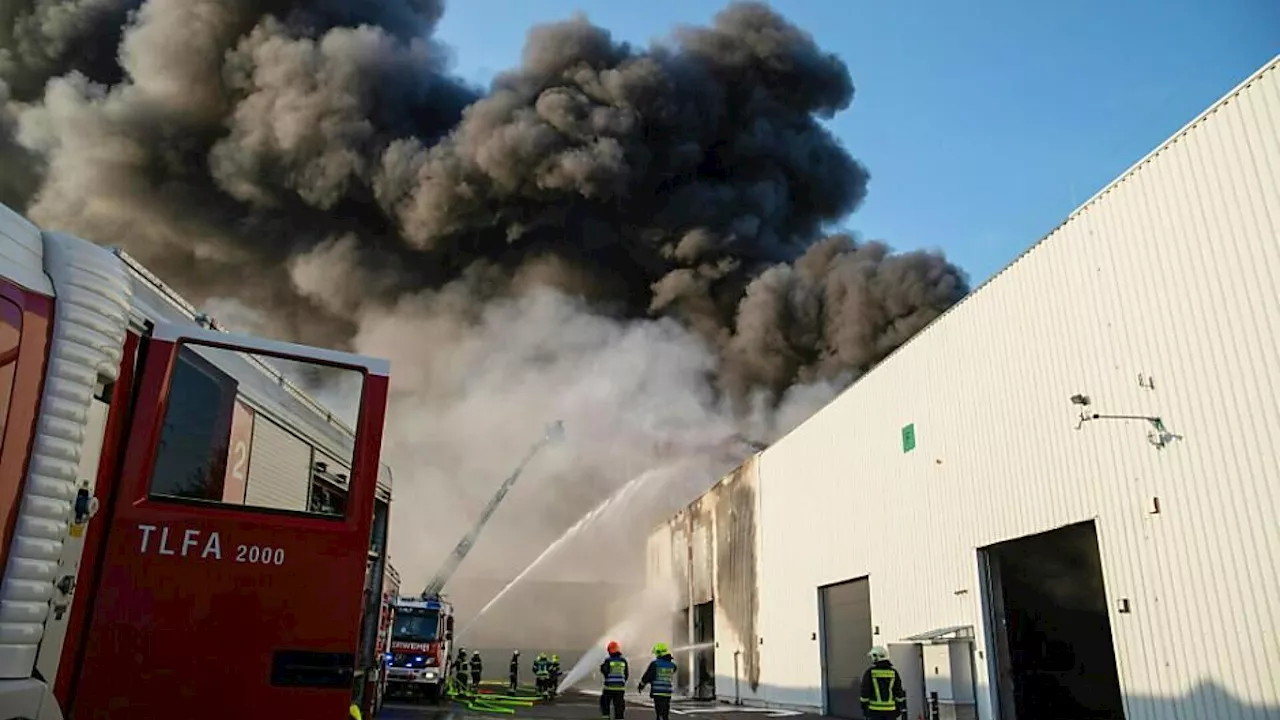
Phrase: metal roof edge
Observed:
(1272, 64)
(1214, 107)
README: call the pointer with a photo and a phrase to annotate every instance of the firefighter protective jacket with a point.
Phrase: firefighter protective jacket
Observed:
(660, 676)
(882, 689)
(616, 672)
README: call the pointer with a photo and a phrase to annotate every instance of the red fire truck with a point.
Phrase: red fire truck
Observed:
(421, 654)
(185, 532)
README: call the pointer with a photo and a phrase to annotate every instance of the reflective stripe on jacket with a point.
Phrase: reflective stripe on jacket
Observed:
(663, 681)
(616, 672)
(881, 688)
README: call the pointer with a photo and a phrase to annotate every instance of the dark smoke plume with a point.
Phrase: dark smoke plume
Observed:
(218, 140)
(313, 166)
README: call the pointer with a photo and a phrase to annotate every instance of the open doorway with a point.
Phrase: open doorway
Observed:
(1052, 646)
(704, 658)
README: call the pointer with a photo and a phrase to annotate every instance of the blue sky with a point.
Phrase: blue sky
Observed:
(983, 123)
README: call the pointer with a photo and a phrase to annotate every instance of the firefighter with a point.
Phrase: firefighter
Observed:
(515, 670)
(477, 668)
(553, 675)
(461, 671)
(541, 672)
(616, 673)
(660, 676)
(882, 695)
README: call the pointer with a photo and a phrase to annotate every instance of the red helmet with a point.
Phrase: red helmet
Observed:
(613, 647)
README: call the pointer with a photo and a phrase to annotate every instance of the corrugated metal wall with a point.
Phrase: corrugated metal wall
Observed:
(1159, 298)
(737, 609)
(659, 570)
(279, 468)
(680, 556)
(719, 532)
(701, 529)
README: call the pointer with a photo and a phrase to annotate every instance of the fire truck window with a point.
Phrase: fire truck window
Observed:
(416, 625)
(10, 334)
(192, 453)
(248, 430)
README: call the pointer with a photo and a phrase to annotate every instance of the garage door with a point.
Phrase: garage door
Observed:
(846, 639)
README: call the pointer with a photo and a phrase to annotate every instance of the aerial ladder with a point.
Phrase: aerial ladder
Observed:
(553, 434)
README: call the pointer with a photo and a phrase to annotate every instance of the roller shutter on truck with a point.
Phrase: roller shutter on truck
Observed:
(335, 466)
(280, 469)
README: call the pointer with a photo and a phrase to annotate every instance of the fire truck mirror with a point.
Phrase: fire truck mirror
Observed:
(258, 431)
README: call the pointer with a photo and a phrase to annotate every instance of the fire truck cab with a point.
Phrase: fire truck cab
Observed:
(421, 647)
(184, 531)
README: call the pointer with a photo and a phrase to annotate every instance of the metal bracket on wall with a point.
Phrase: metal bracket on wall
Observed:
(1159, 436)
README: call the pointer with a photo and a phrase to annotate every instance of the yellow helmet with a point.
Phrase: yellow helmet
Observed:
(660, 649)
(555, 658)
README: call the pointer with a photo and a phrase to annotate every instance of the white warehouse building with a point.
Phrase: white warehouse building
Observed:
(1060, 500)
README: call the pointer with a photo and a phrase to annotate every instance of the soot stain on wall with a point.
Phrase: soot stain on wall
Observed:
(735, 546)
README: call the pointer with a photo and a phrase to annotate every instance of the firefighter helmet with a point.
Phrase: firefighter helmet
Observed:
(877, 654)
(613, 647)
(660, 649)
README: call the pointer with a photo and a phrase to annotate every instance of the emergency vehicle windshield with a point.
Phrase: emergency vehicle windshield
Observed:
(415, 625)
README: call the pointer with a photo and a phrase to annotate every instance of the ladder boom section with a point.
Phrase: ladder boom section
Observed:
(451, 563)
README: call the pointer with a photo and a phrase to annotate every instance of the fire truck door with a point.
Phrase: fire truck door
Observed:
(235, 553)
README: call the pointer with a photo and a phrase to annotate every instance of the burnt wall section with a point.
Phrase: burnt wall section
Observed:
(711, 552)
(680, 557)
(701, 517)
(736, 589)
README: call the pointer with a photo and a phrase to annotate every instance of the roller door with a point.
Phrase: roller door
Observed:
(846, 640)
(279, 468)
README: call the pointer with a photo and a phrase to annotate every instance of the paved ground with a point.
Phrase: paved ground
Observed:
(584, 706)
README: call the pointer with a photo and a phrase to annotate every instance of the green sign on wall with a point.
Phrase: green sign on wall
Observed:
(908, 438)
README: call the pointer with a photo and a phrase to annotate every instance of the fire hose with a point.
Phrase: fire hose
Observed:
(482, 700)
